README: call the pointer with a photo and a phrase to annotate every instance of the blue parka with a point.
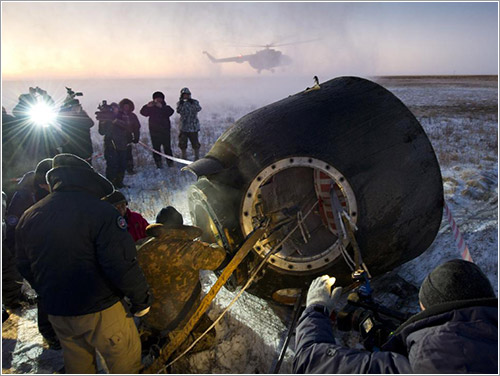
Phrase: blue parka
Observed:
(456, 337)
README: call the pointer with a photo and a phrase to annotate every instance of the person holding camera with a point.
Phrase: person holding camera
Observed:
(456, 331)
(116, 126)
(188, 108)
(159, 113)
(127, 106)
(33, 141)
(75, 128)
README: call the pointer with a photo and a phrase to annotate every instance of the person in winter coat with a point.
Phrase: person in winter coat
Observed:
(188, 108)
(456, 331)
(127, 106)
(32, 188)
(75, 251)
(10, 152)
(12, 294)
(159, 126)
(117, 132)
(27, 141)
(105, 119)
(136, 224)
(171, 260)
(75, 127)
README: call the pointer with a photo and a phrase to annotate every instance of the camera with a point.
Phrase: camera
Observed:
(104, 111)
(374, 322)
(71, 94)
(70, 101)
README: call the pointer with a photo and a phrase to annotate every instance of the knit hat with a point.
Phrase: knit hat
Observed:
(116, 198)
(41, 170)
(158, 94)
(170, 217)
(453, 281)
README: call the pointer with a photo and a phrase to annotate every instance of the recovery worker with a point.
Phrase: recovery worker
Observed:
(456, 331)
(171, 260)
(32, 188)
(75, 251)
(136, 224)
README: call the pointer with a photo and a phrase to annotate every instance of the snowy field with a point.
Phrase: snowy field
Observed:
(460, 116)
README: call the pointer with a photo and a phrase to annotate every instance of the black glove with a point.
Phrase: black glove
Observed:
(135, 140)
(139, 308)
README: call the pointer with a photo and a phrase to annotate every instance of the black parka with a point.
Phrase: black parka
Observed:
(75, 249)
(159, 118)
(456, 337)
(26, 195)
(75, 128)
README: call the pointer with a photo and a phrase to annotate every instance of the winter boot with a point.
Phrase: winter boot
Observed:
(196, 154)
(118, 183)
(184, 153)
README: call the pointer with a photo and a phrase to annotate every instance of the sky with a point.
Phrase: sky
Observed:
(166, 39)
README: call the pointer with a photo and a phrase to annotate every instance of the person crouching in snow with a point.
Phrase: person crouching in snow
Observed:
(136, 224)
(171, 259)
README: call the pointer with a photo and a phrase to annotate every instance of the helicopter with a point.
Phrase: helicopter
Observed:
(265, 59)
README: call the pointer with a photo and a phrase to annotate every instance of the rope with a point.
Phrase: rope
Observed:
(247, 284)
(457, 235)
(179, 160)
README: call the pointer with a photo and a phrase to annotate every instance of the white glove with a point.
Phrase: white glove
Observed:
(142, 313)
(320, 292)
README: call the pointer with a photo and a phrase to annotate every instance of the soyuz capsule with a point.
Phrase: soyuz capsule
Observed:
(284, 162)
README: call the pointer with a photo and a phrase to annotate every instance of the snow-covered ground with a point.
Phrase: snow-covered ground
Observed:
(460, 116)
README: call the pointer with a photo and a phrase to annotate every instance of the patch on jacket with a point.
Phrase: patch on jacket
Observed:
(12, 220)
(121, 222)
(330, 352)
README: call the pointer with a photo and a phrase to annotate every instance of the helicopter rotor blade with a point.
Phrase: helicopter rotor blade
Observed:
(298, 42)
(274, 44)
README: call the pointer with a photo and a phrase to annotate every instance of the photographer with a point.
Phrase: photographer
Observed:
(188, 108)
(159, 126)
(115, 126)
(127, 106)
(456, 332)
(32, 135)
(75, 127)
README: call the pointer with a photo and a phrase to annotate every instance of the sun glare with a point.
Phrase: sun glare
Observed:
(42, 114)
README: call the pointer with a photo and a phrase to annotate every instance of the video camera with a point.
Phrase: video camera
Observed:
(374, 322)
(70, 99)
(104, 111)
